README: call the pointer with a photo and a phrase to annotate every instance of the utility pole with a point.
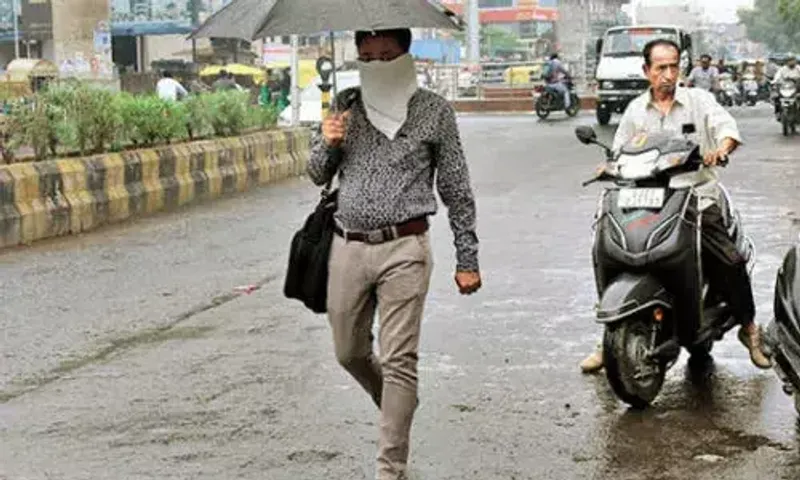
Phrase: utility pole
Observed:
(473, 32)
(194, 10)
(295, 95)
(16, 28)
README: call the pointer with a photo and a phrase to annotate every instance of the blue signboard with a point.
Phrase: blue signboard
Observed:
(6, 21)
(158, 17)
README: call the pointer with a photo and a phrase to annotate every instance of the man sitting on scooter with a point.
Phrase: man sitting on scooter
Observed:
(556, 76)
(704, 75)
(786, 72)
(666, 106)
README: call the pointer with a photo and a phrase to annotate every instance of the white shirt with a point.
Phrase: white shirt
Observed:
(704, 79)
(692, 105)
(787, 73)
(169, 89)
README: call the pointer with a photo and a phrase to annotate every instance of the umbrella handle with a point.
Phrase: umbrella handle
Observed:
(335, 92)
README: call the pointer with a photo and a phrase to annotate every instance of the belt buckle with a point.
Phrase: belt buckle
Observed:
(374, 236)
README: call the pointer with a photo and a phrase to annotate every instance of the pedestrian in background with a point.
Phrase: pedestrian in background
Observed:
(387, 148)
(170, 89)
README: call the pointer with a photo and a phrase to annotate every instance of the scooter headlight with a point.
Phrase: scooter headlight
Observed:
(788, 89)
(634, 166)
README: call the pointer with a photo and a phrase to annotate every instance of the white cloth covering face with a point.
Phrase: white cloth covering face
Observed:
(386, 88)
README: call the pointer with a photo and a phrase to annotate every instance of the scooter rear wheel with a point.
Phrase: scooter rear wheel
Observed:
(635, 379)
(575, 106)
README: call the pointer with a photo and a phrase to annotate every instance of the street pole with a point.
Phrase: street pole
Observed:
(16, 28)
(295, 95)
(473, 32)
(195, 13)
(586, 32)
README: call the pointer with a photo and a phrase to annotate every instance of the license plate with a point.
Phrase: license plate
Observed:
(641, 198)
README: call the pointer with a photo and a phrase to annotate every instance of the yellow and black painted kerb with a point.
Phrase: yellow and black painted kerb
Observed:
(68, 196)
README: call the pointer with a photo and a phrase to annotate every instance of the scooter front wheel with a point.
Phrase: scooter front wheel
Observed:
(543, 106)
(635, 378)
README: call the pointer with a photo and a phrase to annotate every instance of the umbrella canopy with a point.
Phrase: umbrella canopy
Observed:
(254, 19)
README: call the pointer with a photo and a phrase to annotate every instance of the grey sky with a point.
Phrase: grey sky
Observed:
(722, 11)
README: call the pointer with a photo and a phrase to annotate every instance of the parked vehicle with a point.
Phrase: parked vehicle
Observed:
(619, 73)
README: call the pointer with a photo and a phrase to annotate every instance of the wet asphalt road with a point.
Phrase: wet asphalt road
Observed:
(128, 353)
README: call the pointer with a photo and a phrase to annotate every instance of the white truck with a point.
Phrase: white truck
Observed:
(620, 75)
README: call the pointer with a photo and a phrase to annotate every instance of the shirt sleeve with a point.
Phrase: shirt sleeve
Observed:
(323, 161)
(627, 127)
(455, 190)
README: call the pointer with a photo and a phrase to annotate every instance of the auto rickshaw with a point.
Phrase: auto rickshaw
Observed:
(26, 76)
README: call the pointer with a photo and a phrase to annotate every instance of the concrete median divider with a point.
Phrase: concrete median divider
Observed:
(40, 200)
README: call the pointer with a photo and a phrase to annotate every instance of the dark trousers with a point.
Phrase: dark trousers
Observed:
(725, 267)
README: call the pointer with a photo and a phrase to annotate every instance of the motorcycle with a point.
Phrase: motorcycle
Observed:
(787, 98)
(750, 89)
(653, 296)
(728, 93)
(783, 333)
(551, 100)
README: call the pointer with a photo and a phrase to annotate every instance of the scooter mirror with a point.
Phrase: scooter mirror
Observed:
(586, 135)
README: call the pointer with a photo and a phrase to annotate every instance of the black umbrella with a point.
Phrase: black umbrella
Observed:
(254, 19)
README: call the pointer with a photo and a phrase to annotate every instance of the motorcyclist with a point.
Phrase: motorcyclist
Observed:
(667, 107)
(786, 72)
(705, 75)
(556, 76)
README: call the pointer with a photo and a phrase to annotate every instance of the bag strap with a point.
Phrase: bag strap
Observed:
(345, 101)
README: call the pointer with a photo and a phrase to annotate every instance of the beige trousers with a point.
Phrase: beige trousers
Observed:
(393, 279)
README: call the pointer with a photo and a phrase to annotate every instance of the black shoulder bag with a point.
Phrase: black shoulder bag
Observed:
(310, 250)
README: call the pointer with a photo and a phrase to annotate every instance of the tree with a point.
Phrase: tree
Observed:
(790, 10)
(770, 22)
(493, 39)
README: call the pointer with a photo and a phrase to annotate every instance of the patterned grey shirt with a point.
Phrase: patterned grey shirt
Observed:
(384, 182)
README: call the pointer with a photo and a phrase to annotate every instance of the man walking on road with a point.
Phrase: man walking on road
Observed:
(667, 107)
(387, 148)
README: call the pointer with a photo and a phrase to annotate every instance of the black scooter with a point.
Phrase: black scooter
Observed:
(653, 297)
(783, 333)
(551, 100)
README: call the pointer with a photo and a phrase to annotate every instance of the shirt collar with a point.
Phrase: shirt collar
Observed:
(681, 97)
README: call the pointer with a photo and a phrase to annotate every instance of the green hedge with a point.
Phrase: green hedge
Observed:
(85, 119)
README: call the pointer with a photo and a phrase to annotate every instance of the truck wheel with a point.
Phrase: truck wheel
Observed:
(603, 116)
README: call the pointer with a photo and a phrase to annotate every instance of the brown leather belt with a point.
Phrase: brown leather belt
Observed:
(416, 226)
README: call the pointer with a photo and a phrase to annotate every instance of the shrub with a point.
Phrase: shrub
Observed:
(229, 112)
(93, 119)
(149, 120)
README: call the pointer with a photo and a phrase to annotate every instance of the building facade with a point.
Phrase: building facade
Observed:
(528, 19)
